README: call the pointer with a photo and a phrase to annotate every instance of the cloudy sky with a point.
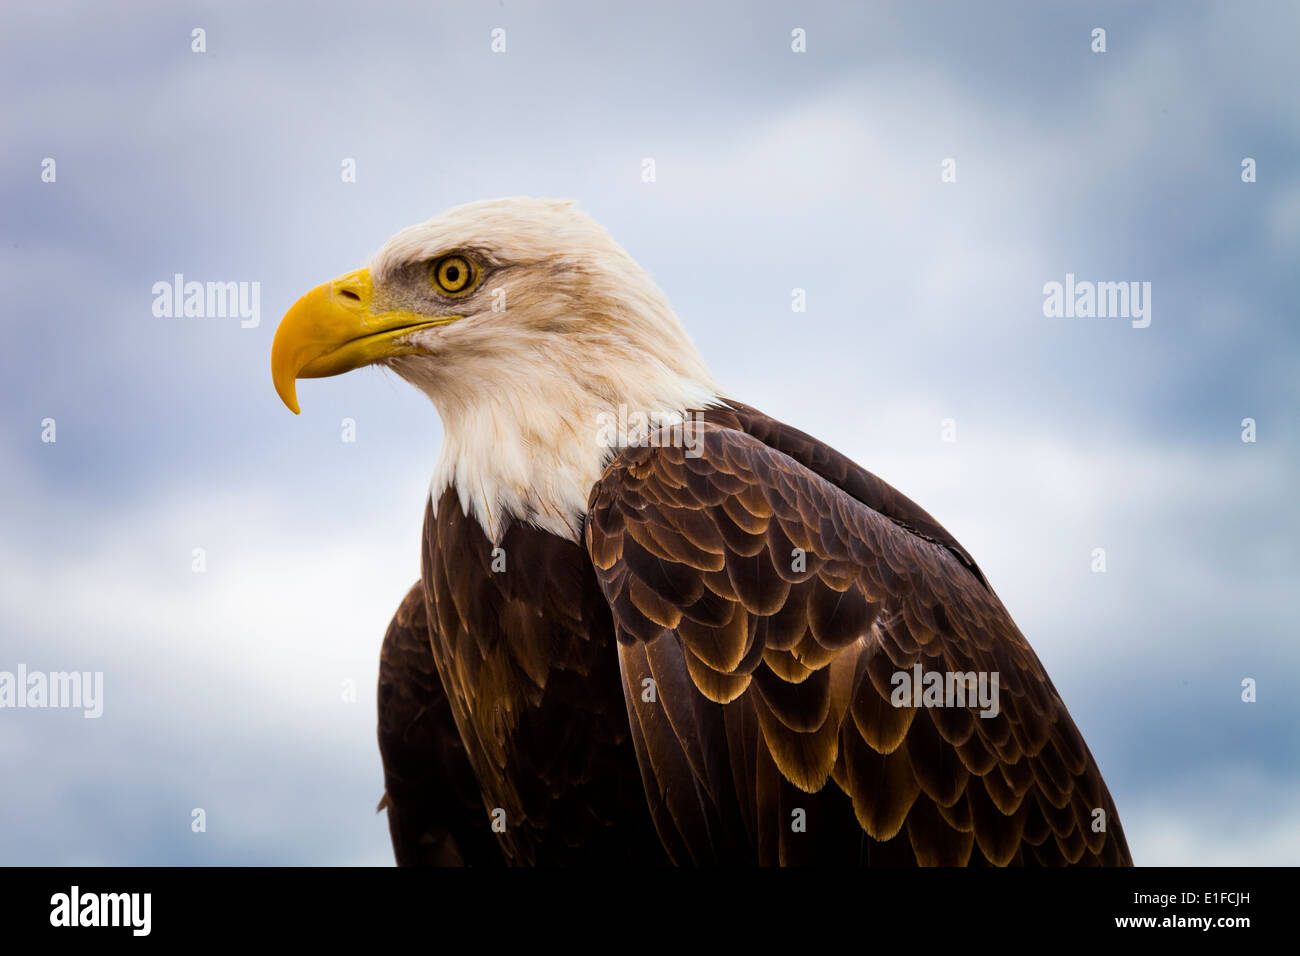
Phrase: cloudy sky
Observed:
(774, 170)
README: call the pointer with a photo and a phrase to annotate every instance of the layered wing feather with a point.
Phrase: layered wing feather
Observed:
(762, 614)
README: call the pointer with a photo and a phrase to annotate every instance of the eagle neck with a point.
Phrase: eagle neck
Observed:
(512, 456)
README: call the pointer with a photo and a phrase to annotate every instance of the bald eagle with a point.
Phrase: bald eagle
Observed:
(655, 625)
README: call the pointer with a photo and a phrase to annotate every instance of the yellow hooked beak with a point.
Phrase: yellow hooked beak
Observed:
(334, 329)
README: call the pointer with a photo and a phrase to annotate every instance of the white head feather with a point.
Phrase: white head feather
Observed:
(581, 335)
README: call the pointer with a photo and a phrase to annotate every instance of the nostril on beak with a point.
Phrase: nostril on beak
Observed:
(349, 294)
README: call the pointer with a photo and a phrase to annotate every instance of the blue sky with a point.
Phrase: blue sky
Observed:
(775, 170)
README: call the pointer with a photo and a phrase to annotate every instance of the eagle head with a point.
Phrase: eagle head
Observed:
(527, 325)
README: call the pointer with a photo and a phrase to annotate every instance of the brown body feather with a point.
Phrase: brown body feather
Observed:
(684, 649)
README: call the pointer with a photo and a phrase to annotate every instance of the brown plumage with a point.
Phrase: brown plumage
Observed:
(683, 667)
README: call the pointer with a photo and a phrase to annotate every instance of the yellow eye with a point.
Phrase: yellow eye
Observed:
(453, 274)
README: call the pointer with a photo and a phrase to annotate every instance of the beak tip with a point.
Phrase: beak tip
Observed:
(289, 395)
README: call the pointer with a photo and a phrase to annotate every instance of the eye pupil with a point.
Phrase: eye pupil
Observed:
(452, 274)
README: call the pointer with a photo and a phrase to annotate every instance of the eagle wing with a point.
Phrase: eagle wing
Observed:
(435, 812)
(762, 614)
